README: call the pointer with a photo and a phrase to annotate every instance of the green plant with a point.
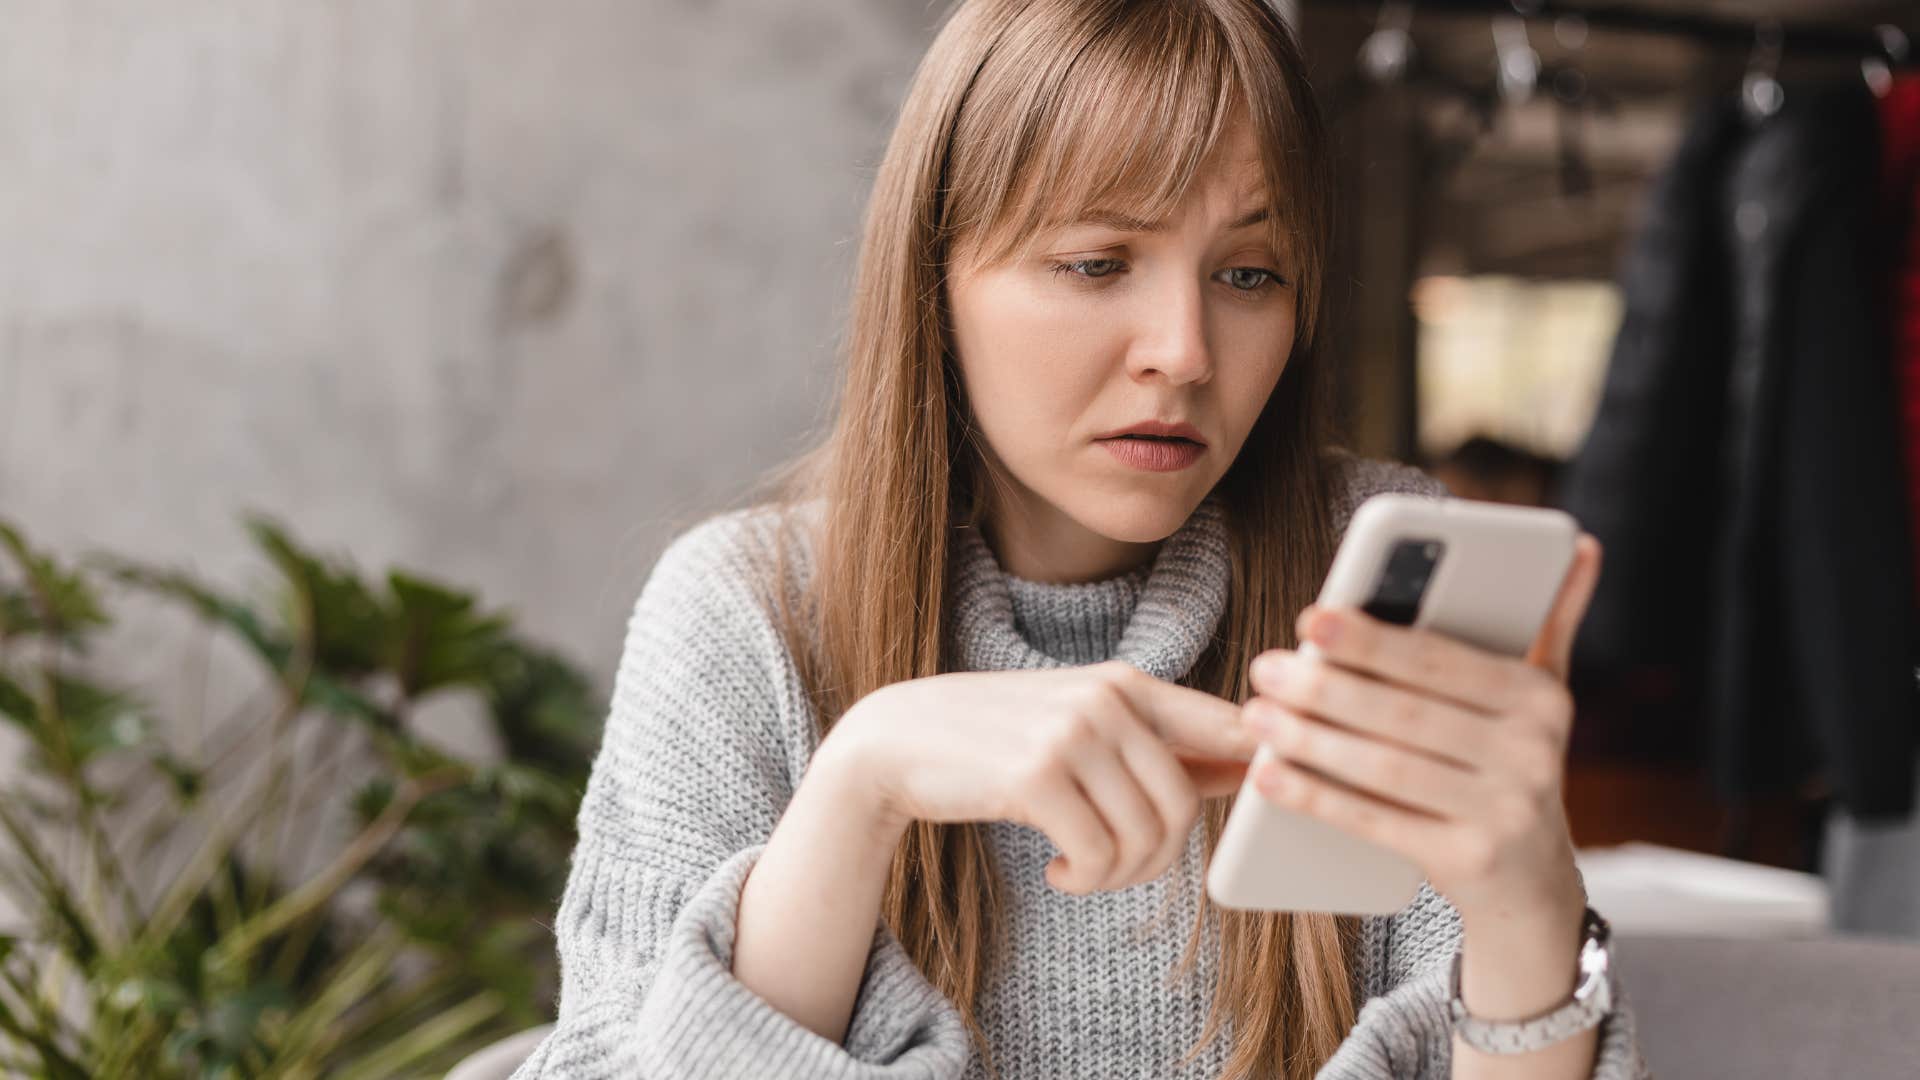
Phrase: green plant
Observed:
(160, 938)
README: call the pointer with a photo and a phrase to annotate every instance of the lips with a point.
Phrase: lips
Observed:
(1152, 453)
(1161, 430)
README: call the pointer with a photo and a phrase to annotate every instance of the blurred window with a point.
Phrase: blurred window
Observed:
(1518, 360)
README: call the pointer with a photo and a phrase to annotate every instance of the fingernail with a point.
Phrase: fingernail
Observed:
(1324, 627)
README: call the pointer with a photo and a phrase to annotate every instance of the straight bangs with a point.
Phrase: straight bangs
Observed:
(1121, 117)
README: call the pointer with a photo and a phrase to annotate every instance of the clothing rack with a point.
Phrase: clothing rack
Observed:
(1795, 36)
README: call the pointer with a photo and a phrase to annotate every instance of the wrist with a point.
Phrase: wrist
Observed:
(1547, 919)
(845, 772)
(1523, 961)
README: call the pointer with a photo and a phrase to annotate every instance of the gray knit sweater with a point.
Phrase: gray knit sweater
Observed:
(709, 733)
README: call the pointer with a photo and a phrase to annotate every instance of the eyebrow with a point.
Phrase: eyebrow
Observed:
(1124, 223)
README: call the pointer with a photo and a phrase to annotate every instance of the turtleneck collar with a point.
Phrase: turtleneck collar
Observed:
(1159, 618)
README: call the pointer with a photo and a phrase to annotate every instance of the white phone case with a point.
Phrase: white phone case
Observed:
(1493, 585)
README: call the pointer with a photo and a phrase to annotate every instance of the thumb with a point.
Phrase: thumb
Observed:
(1553, 649)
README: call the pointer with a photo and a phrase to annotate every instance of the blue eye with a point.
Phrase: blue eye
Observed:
(1078, 268)
(1267, 278)
(1073, 268)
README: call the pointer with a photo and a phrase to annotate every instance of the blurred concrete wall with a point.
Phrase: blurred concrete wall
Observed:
(504, 292)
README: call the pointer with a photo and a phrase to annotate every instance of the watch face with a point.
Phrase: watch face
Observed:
(1599, 994)
(1594, 958)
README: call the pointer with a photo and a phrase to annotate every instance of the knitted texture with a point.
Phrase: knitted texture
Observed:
(709, 732)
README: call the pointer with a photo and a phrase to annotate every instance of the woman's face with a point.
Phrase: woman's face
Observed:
(1107, 324)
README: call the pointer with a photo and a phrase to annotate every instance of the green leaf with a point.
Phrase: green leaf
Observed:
(439, 638)
(526, 787)
(66, 911)
(53, 601)
(234, 1022)
(146, 994)
(96, 719)
(340, 698)
(88, 720)
(544, 710)
(349, 627)
(268, 643)
(184, 1045)
(16, 612)
(346, 984)
(56, 1062)
(331, 692)
(17, 705)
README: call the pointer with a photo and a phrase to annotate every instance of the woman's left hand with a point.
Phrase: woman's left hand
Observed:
(1449, 754)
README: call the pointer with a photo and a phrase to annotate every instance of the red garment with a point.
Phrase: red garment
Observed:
(1900, 204)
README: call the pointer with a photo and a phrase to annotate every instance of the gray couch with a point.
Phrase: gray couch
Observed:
(1709, 1008)
(1730, 1007)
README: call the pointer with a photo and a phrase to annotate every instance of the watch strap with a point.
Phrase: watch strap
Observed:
(1589, 1003)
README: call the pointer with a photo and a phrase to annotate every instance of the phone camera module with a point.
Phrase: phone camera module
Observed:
(1403, 582)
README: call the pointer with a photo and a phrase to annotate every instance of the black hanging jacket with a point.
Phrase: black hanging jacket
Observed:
(1743, 471)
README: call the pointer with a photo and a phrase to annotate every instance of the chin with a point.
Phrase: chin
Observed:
(1136, 517)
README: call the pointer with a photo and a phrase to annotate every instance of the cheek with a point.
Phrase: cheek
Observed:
(1031, 368)
(1247, 385)
(1270, 340)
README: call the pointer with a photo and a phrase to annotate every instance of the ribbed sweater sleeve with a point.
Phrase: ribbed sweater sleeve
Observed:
(703, 746)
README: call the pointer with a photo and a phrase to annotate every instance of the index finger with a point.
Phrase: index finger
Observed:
(1414, 657)
(1187, 719)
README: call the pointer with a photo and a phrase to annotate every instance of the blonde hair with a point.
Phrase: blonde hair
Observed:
(1023, 110)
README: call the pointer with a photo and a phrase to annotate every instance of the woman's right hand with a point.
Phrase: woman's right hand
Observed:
(1108, 761)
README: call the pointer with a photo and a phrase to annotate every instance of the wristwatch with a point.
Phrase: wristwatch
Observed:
(1589, 1004)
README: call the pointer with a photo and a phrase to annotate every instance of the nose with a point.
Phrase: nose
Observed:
(1172, 335)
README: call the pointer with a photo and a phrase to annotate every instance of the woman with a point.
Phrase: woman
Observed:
(912, 771)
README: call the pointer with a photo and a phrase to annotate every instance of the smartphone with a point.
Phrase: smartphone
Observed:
(1484, 573)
